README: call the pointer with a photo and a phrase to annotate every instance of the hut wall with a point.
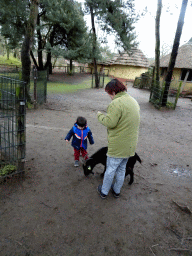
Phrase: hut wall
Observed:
(176, 80)
(126, 72)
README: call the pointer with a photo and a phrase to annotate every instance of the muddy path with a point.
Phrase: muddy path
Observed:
(55, 210)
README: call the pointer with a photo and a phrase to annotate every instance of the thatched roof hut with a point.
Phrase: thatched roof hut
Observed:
(184, 57)
(134, 58)
(126, 66)
(183, 66)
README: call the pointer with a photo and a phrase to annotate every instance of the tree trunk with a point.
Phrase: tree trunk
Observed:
(40, 47)
(50, 68)
(71, 67)
(94, 48)
(157, 36)
(156, 77)
(48, 64)
(26, 46)
(8, 52)
(26, 65)
(7, 49)
(34, 60)
(174, 51)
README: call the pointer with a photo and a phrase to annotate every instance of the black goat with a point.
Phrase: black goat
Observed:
(100, 157)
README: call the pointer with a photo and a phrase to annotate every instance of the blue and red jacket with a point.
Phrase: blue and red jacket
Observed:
(80, 137)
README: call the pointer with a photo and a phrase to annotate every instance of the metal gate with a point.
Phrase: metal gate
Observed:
(12, 122)
(39, 90)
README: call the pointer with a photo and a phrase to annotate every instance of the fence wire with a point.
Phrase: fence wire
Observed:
(161, 93)
(101, 78)
(165, 94)
(38, 88)
(12, 71)
(12, 121)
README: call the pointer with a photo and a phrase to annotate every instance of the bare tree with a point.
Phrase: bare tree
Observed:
(165, 49)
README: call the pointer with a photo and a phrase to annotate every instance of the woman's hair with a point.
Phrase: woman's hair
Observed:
(115, 86)
(81, 121)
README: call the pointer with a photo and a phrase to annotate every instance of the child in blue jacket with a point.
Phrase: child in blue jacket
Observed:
(80, 132)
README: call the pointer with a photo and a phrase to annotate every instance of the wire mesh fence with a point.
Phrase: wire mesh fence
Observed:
(165, 94)
(75, 69)
(12, 122)
(12, 71)
(38, 84)
(161, 93)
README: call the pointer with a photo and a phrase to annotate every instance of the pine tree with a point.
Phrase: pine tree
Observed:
(12, 21)
(61, 30)
(116, 17)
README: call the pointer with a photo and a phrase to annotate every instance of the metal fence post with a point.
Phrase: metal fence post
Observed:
(20, 113)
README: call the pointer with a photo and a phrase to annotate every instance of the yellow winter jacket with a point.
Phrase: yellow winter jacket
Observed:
(122, 122)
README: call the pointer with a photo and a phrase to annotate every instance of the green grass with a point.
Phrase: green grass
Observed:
(69, 88)
(11, 61)
(53, 87)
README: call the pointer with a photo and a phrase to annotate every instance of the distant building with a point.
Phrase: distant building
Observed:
(126, 66)
(183, 65)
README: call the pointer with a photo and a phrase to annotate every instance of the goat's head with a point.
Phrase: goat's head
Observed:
(88, 167)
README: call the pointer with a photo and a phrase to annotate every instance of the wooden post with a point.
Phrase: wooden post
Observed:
(178, 93)
(35, 87)
(45, 87)
(184, 82)
(92, 80)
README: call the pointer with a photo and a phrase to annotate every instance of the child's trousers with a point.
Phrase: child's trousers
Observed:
(82, 151)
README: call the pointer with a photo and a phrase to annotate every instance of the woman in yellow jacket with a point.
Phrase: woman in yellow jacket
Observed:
(122, 122)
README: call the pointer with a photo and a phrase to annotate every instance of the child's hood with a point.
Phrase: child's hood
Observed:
(76, 125)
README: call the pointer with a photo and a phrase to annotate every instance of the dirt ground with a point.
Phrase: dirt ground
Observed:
(56, 210)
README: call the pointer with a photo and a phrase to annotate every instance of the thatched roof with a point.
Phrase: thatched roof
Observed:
(184, 57)
(135, 58)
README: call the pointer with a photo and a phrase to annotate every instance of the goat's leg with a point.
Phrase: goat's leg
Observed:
(131, 177)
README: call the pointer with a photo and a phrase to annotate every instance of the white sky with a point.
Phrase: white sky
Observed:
(145, 27)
